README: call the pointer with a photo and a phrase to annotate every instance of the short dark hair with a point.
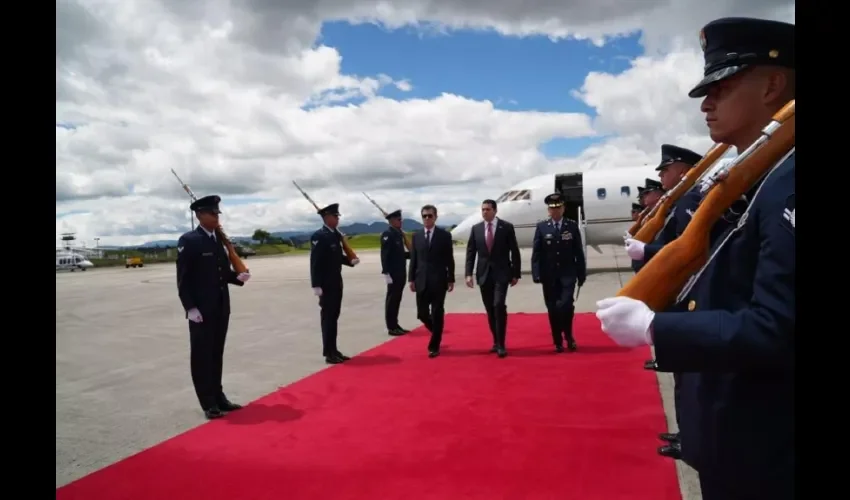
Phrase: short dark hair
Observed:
(490, 202)
(428, 207)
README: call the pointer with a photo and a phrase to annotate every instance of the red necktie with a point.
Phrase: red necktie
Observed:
(489, 236)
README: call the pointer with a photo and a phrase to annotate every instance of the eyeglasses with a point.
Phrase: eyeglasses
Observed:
(427, 216)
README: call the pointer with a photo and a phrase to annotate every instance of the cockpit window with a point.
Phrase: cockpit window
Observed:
(625, 192)
(523, 195)
(505, 196)
(601, 193)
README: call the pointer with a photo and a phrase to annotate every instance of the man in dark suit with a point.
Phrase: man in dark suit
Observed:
(494, 242)
(393, 264)
(431, 275)
(326, 260)
(203, 273)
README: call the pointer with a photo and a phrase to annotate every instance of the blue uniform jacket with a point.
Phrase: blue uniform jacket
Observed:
(393, 253)
(675, 225)
(203, 273)
(327, 259)
(738, 339)
(557, 255)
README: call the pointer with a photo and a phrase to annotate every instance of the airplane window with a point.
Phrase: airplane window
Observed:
(77, 260)
(504, 197)
(517, 195)
(625, 192)
(526, 196)
(600, 193)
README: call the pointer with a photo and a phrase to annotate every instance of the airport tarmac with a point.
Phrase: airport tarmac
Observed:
(122, 349)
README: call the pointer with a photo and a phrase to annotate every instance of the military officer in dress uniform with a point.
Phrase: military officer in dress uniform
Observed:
(735, 341)
(394, 270)
(203, 276)
(326, 261)
(648, 196)
(637, 208)
(558, 263)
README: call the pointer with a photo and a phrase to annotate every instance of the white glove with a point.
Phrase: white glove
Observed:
(388, 279)
(354, 262)
(194, 315)
(627, 235)
(635, 249)
(317, 292)
(243, 277)
(627, 321)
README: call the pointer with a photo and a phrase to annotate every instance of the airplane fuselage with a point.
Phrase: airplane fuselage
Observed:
(72, 262)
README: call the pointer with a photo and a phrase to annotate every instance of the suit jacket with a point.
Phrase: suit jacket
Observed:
(432, 265)
(203, 273)
(502, 263)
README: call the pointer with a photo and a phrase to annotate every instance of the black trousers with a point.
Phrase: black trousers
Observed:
(677, 394)
(330, 304)
(558, 295)
(392, 302)
(431, 311)
(206, 345)
(494, 296)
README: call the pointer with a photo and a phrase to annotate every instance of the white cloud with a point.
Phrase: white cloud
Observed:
(235, 99)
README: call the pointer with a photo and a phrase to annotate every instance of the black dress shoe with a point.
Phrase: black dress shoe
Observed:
(403, 330)
(559, 348)
(333, 360)
(396, 332)
(571, 345)
(669, 436)
(342, 356)
(433, 354)
(502, 352)
(650, 364)
(672, 450)
(213, 413)
(227, 405)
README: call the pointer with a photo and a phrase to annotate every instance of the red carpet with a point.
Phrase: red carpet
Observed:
(393, 424)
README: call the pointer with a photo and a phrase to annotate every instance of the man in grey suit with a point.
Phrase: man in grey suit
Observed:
(493, 241)
(431, 275)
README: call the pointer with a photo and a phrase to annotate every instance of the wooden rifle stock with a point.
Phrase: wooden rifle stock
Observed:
(346, 247)
(654, 221)
(235, 260)
(404, 235)
(659, 282)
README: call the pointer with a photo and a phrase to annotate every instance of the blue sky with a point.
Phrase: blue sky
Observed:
(531, 73)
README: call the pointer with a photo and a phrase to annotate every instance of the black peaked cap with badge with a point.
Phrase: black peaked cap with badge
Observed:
(733, 44)
(652, 185)
(671, 154)
(206, 204)
(554, 200)
(332, 209)
(394, 215)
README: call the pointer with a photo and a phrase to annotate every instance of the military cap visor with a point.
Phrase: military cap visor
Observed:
(554, 200)
(206, 204)
(394, 215)
(674, 154)
(731, 45)
(332, 209)
(652, 185)
(637, 207)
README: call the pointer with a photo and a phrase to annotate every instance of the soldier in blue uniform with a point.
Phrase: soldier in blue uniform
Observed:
(558, 263)
(735, 342)
(648, 196)
(326, 261)
(394, 270)
(203, 276)
(637, 208)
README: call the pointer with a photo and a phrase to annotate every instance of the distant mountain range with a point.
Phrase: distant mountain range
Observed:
(302, 236)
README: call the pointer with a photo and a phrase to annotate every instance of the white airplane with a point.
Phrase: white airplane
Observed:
(72, 261)
(600, 200)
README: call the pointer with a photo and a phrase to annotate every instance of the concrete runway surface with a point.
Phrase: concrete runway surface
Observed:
(122, 348)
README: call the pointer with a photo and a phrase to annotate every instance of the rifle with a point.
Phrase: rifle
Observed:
(235, 261)
(384, 212)
(651, 221)
(346, 247)
(660, 281)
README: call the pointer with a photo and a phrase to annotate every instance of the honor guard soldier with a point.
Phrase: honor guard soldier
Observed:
(735, 341)
(648, 196)
(637, 208)
(394, 270)
(558, 263)
(326, 261)
(203, 276)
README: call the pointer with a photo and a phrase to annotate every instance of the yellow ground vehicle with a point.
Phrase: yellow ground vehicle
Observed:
(133, 262)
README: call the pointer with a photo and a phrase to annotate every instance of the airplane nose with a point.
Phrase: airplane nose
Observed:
(461, 231)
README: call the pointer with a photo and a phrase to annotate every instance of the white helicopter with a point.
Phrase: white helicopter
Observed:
(72, 261)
